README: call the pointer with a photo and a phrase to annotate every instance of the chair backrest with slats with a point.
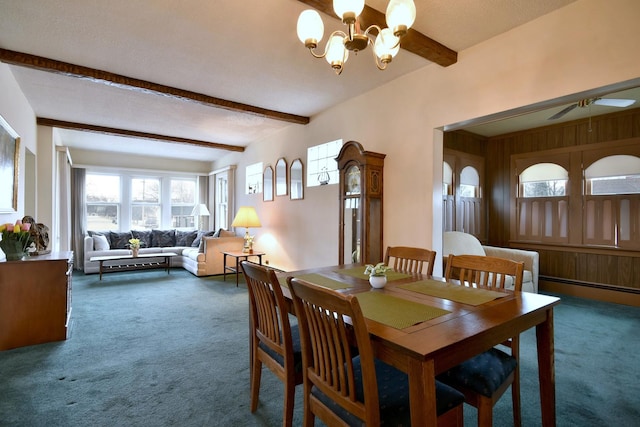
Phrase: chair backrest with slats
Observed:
(328, 349)
(410, 260)
(268, 310)
(477, 270)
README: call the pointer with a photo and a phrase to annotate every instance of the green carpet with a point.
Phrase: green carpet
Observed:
(151, 349)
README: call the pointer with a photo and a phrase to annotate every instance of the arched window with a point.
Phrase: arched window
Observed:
(543, 205)
(618, 174)
(612, 202)
(469, 182)
(544, 180)
(447, 179)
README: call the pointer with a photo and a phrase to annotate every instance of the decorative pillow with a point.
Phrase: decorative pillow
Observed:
(144, 236)
(119, 240)
(103, 233)
(225, 233)
(185, 238)
(163, 238)
(196, 242)
(100, 242)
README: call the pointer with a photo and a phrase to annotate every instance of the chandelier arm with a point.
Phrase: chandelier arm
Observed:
(381, 65)
(326, 46)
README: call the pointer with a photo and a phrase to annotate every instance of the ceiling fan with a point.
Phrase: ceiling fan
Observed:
(583, 103)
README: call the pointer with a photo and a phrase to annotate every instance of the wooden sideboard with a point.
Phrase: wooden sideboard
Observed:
(35, 299)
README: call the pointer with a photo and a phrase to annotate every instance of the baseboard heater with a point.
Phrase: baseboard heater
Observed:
(601, 286)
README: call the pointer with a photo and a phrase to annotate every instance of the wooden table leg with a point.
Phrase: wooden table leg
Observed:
(546, 370)
(422, 393)
(101, 269)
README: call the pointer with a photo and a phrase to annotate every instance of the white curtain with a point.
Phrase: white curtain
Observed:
(77, 216)
(63, 211)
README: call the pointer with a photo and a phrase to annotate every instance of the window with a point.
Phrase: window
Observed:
(469, 182)
(321, 163)
(183, 200)
(103, 201)
(611, 202)
(543, 205)
(544, 180)
(145, 203)
(222, 201)
(132, 201)
(253, 182)
(613, 175)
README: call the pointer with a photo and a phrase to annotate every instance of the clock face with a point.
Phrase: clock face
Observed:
(353, 180)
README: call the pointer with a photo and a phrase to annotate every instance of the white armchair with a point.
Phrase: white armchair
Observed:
(458, 243)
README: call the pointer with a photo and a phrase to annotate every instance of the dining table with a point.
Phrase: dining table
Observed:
(424, 326)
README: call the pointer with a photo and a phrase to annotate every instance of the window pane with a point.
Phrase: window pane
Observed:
(544, 188)
(181, 217)
(145, 217)
(183, 191)
(103, 188)
(145, 190)
(102, 217)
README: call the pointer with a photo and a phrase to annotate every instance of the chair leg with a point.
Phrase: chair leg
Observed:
(485, 412)
(289, 399)
(309, 419)
(515, 396)
(256, 374)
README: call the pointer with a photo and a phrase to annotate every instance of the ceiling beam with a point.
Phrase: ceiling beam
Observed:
(134, 134)
(413, 42)
(130, 83)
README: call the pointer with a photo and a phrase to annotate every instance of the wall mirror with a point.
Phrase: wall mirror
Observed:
(296, 183)
(281, 177)
(267, 184)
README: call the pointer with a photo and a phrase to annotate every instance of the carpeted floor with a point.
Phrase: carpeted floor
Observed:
(151, 349)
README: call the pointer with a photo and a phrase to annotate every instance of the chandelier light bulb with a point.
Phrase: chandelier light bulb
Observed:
(310, 28)
(401, 15)
(348, 10)
(337, 54)
(387, 45)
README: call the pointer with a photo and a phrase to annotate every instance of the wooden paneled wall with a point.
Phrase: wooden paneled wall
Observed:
(576, 265)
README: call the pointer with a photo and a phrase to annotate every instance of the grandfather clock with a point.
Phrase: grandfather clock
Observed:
(361, 189)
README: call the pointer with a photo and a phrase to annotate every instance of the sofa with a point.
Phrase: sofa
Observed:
(459, 243)
(199, 252)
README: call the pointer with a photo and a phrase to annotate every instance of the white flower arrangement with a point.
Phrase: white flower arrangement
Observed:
(377, 270)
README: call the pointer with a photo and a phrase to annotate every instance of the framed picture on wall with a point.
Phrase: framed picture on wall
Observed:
(9, 161)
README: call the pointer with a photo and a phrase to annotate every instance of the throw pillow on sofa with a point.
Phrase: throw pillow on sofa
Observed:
(100, 242)
(185, 238)
(196, 242)
(163, 238)
(144, 236)
(120, 240)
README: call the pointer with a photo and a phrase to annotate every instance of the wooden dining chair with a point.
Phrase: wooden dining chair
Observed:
(273, 341)
(343, 383)
(410, 260)
(484, 378)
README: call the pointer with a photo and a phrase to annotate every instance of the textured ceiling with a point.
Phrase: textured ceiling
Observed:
(243, 51)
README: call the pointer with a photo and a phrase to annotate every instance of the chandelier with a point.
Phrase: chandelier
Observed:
(385, 42)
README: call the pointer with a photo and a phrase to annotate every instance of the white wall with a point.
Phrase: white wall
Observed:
(18, 113)
(586, 45)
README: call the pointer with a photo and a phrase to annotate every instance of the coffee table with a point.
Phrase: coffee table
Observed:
(141, 262)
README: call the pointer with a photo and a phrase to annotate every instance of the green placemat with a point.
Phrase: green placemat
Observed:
(395, 312)
(452, 292)
(318, 279)
(359, 273)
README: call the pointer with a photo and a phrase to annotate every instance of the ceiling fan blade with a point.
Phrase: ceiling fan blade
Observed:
(610, 102)
(563, 112)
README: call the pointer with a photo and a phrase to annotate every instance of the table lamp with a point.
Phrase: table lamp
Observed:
(200, 211)
(246, 217)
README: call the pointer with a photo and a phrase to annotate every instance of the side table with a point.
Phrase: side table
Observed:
(239, 256)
